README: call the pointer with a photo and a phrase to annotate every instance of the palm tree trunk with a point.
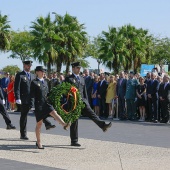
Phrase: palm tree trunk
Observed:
(48, 68)
(67, 66)
(59, 65)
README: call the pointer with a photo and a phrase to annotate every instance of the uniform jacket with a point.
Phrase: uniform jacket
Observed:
(22, 87)
(38, 93)
(131, 86)
(80, 86)
(1, 96)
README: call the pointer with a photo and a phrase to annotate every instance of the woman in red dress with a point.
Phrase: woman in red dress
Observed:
(10, 92)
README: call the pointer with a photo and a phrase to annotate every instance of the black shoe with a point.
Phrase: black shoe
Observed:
(75, 144)
(155, 121)
(163, 121)
(50, 127)
(106, 126)
(36, 144)
(24, 137)
(10, 126)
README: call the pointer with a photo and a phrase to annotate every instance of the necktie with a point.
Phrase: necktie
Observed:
(165, 85)
(121, 81)
(78, 78)
(28, 74)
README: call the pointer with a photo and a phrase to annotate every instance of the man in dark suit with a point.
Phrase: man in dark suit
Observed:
(79, 82)
(54, 81)
(121, 91)
(152, 94)
(4, 84)
(164, 101)
(22, 95)
(101, 94)
(89, 85)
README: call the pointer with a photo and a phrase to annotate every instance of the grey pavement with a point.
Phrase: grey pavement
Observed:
(7, 164)
(126, 146)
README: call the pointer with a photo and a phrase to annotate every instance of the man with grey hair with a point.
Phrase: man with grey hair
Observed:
(164, 91)
(152, 94)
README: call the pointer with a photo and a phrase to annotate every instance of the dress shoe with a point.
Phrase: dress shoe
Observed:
(155, 121)
(10, 126)
(24, 137)
(106, 126)
(38, 146)
(75, 144)
(50, 127)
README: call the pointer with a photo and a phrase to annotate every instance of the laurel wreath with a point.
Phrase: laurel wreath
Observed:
(72, 95)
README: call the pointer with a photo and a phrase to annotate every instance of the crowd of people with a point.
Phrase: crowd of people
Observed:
(126, 96)
(29, 91)
(129, 96)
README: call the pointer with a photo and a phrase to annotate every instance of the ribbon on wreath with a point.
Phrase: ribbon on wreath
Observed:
(72, 91)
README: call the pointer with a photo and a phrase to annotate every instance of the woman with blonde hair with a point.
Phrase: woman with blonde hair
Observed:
(10, 93)
(111, 94)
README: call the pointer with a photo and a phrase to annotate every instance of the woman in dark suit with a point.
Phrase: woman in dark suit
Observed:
(39, 91)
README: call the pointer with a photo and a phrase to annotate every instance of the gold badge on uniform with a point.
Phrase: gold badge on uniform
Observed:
(38, 84)
(25, 78)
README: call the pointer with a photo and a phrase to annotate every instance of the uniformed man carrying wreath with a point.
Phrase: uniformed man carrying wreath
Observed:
(79, 82)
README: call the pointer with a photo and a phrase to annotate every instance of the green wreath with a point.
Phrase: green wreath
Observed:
(70, 94)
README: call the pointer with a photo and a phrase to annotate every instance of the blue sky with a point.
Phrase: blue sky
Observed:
(97, 15)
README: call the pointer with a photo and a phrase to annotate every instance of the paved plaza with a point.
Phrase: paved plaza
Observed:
(126, 146)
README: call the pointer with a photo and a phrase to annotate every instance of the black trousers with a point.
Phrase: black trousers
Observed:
(4, 114)
(87, 111)
(165, 110)
(153, 108)
(121, 107)
(103, 107)
(23, 119)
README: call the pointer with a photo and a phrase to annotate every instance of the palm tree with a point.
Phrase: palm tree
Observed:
(4, 33)
(112, 48)
(74, 40)
(138, 44)
(45, 41)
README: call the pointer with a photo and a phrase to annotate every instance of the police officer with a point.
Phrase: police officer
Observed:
(130, 96)
(22, 95)
(79, 82)
(39, 91)
(4, 112)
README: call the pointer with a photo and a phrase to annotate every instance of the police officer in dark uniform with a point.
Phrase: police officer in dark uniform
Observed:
(4, 112)
(38, 92)
(22, 95)
(79, 82)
